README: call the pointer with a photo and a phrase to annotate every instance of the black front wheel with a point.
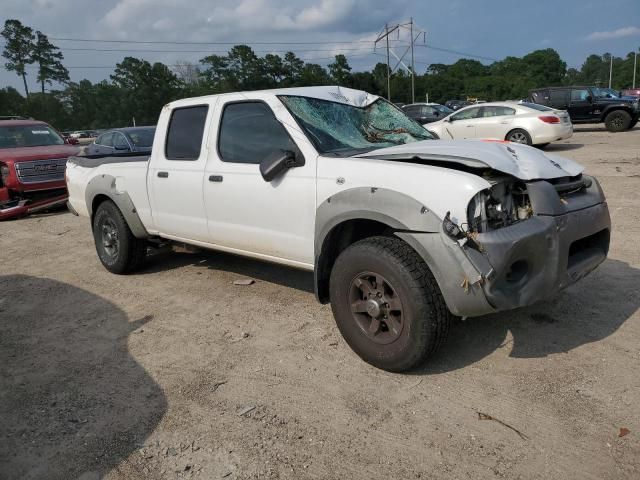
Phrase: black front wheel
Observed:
(387, 303)
(118, 249)
(617, 121)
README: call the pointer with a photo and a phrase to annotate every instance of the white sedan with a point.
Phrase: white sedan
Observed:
(518, 122)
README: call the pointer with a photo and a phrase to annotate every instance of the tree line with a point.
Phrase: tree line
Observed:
(138, 89)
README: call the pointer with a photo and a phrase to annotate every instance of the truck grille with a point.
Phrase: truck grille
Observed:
(36, 171)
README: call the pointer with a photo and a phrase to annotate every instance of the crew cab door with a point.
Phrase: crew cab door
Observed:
(462, 124)
(246, 213)
(176, 172)
(580, 106)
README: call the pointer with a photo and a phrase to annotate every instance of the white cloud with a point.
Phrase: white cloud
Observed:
(619, 33)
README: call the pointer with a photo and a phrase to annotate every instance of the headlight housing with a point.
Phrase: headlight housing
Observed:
(4, 174)
(499, 206)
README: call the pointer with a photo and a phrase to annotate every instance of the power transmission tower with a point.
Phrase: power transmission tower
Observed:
(414, 35)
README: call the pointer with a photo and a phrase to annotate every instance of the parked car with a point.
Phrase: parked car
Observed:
(400, 231)
(526, 123)
(631, 92)
(426, 112)
(590, 105)
(122, 140)
(79, 134)
(456, 104)
(32, 165)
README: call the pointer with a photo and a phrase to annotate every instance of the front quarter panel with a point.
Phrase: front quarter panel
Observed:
(438, 189)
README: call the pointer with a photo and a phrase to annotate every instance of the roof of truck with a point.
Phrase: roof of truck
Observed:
(17, 123)
(334, 93)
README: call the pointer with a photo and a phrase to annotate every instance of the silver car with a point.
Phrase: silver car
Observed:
(519, 122)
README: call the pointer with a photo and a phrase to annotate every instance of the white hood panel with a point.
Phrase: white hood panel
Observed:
(520, 161)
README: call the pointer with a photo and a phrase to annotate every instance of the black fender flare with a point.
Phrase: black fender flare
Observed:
(106, 185)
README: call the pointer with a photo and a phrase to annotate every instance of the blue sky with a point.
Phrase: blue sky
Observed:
(487, 28)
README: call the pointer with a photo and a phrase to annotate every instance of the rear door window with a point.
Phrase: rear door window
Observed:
(579, 94)
(497, 111)
(558, 98)
(185, 132)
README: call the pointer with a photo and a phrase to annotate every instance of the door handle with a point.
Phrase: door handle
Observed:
(215, 178)
(469, 126)
(163, 174)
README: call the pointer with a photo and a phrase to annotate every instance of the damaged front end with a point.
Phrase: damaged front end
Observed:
(526, 240)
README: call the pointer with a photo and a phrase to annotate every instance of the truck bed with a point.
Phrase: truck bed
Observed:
(97, 160)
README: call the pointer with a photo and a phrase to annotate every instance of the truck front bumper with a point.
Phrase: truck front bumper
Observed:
(523, 263)
(19, 208)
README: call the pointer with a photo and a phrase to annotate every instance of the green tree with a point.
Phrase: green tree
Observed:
(48, 58)
(312, 74)
(274, 68)
(340, 71)
(292, 67)
(11, 102)
(146, 89)
(18, 49)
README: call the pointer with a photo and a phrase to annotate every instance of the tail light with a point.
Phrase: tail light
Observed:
(549, 119)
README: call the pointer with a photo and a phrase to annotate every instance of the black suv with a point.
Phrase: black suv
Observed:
(590, 105)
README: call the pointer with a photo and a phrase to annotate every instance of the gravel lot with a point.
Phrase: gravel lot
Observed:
(177, 373)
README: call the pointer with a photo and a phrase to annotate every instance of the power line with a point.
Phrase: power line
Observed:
(200, 51)
(178, 65)
(158, 42)
(456, 52)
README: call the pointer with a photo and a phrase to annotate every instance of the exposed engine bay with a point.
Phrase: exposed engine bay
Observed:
(507, 202)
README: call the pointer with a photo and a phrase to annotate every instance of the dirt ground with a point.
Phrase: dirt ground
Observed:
(177, 373)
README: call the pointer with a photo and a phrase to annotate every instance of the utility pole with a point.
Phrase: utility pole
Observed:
(386, 29)
(635, 60)
(610, 69)
(413, 65)
(414, 35)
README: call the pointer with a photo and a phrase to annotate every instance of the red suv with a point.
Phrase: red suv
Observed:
(33, 159)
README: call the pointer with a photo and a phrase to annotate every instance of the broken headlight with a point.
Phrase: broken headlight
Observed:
(497, 207)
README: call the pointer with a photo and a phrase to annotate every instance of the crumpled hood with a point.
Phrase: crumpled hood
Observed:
(520, 161)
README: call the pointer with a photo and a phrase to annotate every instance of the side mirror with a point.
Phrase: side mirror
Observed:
(448, 119)
(589, 98)
(277, 163)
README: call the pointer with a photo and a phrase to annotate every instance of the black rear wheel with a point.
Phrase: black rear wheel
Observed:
(118, 249)
(618, 121)
(387, 304)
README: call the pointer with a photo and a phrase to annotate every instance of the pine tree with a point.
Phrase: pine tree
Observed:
(48, 57)
(18, 49)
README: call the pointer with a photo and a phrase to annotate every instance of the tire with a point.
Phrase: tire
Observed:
(119, 251)
(418, 316)
(519, 135)
(617, 121)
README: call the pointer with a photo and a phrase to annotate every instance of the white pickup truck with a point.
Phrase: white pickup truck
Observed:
(400, 230)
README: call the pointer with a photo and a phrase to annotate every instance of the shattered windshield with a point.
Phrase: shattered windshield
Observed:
(343, 130)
